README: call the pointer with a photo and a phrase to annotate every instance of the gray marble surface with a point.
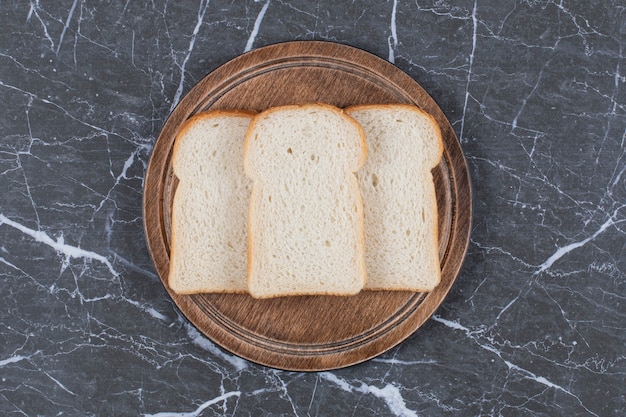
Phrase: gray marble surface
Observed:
(536, 322)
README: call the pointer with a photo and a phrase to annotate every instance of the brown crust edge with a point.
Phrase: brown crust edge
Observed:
(206, 115)
(437, 129)
(360, 164)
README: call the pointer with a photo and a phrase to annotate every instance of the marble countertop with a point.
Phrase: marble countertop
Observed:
(535, 324)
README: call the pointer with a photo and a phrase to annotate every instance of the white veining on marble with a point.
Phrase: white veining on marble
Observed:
(12, 359)
(58, 107)
(256, 27)
(394, 361)
(470, 70)
(500, 250)
(148, 309)
(312, 400)
(562, 251)
(132, 51)
(19, 358)
(392, 40)
(123, 175)
(201, 341)
(204, 4)
(282, 386)
(58, 383)
(473, 335)
(59, 245)
(66, 25)
(544, 381)
(390, 394)
(198, 411)
(131, 266)
(528, 96)
(619, 78)
(34, 10)
(24, 273)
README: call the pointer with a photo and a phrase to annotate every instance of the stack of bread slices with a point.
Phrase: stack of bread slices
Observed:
(306, 200)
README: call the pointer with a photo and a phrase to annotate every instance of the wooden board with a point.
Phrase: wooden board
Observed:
(311, 332)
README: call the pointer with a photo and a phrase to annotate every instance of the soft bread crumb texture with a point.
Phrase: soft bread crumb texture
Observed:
(399, 200)
(210, 207)
(305, 217)
(309, 225)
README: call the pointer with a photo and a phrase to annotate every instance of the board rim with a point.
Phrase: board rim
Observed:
(317, 357)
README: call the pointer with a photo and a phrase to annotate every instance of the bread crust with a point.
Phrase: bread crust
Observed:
(202, 116)
(410, 107)
(254, 118)
(337, 110)
(205, 115)
(439, 155)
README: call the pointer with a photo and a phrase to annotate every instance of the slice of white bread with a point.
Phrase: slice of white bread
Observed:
(399, 201)
(210, 208)
(306, 218)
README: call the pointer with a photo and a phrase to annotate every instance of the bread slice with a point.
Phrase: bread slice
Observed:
(305, 218)
(399, 201)
(210, 209)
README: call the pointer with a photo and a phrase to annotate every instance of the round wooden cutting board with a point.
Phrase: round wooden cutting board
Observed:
(309, 333)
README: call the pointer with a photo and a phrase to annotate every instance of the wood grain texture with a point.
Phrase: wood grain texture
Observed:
(309, 333)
